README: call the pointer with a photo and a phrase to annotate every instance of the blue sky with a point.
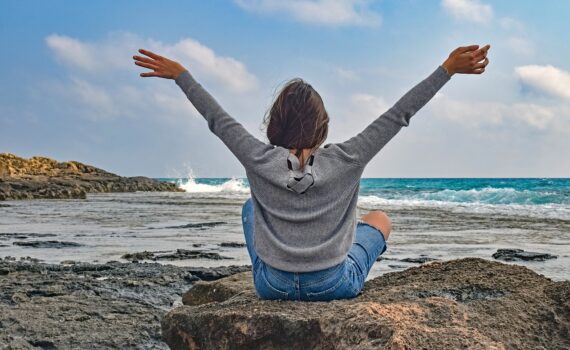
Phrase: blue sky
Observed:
(69, 89)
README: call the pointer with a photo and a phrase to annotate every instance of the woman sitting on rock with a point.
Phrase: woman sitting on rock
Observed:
(300, 223)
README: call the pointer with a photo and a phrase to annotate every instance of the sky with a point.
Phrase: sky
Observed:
(69, 89)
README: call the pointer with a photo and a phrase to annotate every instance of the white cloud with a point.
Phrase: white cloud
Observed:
(199, 57)
(116, 51)
(346, 74)
(324, 12)
(471, 114)
(549, 79)
(93, 96)
(368, 106)
(481, 114)
(103, 83)
(469, 10)
(71, 51)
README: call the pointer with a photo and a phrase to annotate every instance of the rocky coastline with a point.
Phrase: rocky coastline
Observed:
(45, 178)
(466, 303)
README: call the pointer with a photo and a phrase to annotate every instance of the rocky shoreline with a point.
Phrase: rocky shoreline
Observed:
(98, 306)
(44, 178)
(465, 303)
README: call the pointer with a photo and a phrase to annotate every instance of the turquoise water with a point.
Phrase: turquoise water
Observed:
(549, 198)
(487, 191)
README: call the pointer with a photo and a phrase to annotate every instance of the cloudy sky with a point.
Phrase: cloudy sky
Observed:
(69, 89)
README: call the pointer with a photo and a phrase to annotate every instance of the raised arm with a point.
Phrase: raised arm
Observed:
(240, 142)
(364, 146)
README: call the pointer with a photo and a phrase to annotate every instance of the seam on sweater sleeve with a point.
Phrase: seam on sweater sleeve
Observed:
(364, 146)
(240, 142)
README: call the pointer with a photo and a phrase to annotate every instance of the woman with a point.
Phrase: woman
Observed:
(300, 223)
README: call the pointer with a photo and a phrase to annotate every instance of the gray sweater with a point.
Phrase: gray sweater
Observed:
(305, 220)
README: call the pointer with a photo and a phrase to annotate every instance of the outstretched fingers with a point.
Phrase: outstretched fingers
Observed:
(150, 74)
(150, 54)
(147, 65)
(482, 64)
(476, 71)
(144, 59)
(464, 49)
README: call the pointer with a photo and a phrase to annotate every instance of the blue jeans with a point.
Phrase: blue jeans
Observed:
(342, 281)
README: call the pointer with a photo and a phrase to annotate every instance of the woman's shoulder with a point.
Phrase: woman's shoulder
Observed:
(336, 151)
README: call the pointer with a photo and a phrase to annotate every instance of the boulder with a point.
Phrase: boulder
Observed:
(468, 303)
(521, 255)
(206, 292)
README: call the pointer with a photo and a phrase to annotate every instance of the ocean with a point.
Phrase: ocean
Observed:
(436, 218)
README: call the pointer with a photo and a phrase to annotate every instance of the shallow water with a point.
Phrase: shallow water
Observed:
(110, 225)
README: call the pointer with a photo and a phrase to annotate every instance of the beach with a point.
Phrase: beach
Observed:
(111, 266)
(437, 219)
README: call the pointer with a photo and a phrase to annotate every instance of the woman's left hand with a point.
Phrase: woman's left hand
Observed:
(162, 67)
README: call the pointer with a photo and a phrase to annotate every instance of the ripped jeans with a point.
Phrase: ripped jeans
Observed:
(342, 281)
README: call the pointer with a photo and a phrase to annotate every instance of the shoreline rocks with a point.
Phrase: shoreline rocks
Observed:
(521, 255)
(48, 244)
(44, 178)
(81, 305)
(467, 303)
(179, 254)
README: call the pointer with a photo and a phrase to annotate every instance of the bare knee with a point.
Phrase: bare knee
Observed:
(379, 220)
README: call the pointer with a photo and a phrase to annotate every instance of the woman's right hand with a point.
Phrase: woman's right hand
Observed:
(467, 60)
(162, 67)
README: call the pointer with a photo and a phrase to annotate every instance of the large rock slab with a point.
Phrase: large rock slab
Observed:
(90, 306)
(468, 303)
(41, 177)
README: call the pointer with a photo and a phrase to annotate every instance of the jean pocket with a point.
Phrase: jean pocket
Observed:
(267, 290)
(339, 290)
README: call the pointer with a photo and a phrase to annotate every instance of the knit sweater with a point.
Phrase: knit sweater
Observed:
(305, 218)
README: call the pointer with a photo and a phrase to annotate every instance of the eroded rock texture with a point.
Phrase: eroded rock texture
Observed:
(469, 303)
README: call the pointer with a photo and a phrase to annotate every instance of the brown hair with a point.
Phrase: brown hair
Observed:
(298, 118)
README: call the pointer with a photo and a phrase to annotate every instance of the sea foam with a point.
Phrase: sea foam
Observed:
(232, 185)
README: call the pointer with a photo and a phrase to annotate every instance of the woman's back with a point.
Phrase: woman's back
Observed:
(305, 219)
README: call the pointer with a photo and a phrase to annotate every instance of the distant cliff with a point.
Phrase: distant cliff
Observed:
(41, 177)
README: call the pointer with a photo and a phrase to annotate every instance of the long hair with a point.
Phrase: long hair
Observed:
(298, 118)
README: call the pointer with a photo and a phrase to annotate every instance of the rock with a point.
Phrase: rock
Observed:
(422, 259)
(521, 255)
(396, 266)
(418, 260)
(68, 262)
(95, 306)
(179, 254)
(232, 245)
(199, 225)
(183, 254)
(47, 244)
(25, 235)
(468, 303)
(205, 292)
(138, 256)
(40, 177)
(217, 273)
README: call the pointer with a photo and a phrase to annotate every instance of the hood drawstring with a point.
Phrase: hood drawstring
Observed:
(299, 181)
